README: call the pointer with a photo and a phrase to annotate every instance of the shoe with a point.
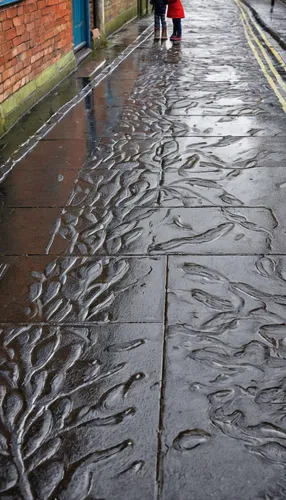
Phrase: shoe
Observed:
(172, 37)
(164, 34)
(157, 34)
(176, 38)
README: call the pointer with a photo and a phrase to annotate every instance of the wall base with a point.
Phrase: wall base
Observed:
(19, 103)
(119, 21)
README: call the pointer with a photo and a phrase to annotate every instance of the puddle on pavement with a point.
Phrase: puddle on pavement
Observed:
(67, 90)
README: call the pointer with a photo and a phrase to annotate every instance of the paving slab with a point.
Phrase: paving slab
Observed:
(209, 126)
(259, 187)
(195, 283)
(164, 231)
(182, 187)
(52, 155)
(83, 122)
(206, 154)
(27, 230)
(37, 187)
(224, 423)
(105, 392)
(102, 188)
(120, 151)
(221, 102)
(69, 290)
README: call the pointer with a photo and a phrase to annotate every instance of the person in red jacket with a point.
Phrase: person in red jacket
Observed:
(176, 13)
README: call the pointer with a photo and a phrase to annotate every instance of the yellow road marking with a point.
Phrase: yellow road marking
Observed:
(273, 50)
(259, 60)
(266, 57)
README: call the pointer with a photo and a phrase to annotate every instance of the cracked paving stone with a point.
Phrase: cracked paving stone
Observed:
(81, 398)
(224, 394)
(42, 288)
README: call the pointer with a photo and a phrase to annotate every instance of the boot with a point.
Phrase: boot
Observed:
(164, 34)
(157, 34)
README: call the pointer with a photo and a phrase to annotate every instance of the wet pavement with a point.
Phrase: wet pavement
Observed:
(40, 120)
(143, 278)
(273, 19)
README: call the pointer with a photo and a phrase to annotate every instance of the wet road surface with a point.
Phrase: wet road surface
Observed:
(143, 280)
(274, 19)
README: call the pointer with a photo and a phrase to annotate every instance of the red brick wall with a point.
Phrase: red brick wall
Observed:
(91, 11)
(34, 34)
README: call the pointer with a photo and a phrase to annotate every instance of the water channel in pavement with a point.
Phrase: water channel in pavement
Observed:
(143, 277)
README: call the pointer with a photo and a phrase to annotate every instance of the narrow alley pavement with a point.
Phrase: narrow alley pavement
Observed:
(143, 279)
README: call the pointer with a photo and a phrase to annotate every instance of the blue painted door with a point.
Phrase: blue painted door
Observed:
(80, 24)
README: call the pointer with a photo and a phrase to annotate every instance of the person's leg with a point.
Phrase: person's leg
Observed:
(175, 24)
(179, 28)
(174, 28)
(164, 27)
(163, 21)
(157, 26)
(157, 21)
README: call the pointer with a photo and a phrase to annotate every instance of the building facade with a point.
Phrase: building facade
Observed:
(38, 42)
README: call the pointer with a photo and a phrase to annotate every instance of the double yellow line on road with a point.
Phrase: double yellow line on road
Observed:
(274, 79)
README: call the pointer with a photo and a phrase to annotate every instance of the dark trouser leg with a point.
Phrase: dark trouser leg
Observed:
(272, 5)
(174, 27)
(163, 21)
(177, 27)
(164, 27)
(157, 21)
